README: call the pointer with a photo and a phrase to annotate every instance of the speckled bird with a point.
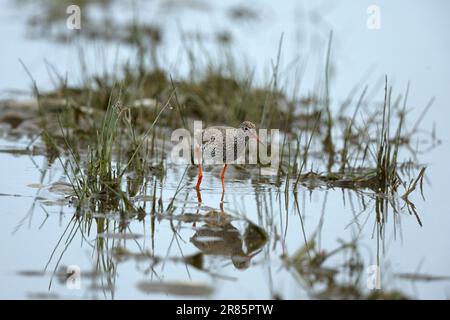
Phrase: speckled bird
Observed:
(215, 147)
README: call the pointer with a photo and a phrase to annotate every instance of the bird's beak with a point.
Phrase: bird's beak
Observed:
(255, 136)
(254, 254)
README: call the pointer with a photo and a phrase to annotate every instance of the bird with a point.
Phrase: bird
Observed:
(218, 141)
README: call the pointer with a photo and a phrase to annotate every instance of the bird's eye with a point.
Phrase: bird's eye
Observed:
(245, 128)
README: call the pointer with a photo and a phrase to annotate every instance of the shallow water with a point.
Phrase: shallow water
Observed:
(34, 216)
(34, 219)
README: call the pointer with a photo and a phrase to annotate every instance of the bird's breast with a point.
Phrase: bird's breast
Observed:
(223, 148)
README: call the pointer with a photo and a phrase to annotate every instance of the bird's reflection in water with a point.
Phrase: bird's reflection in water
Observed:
(219, 237)
(200, 201)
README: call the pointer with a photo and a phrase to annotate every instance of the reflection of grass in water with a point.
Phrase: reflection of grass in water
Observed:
(346, 280)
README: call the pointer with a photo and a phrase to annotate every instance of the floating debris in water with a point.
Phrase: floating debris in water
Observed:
(61, 187)
(31, 273)
(36, 185)
(421, 277)
(176, 288)
(43, 296)
(120, 235)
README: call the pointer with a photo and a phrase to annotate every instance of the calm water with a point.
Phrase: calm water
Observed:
(410, 46)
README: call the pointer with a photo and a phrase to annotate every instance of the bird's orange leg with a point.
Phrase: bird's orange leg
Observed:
(199, 196)
(222, 176)
(200, 173)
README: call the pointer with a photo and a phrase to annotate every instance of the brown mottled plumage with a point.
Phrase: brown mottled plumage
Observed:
(215, 146)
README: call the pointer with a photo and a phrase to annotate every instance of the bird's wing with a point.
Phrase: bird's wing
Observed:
(205, 135)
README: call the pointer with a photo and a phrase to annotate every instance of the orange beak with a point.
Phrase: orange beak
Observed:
(255, 136)
(254, 254)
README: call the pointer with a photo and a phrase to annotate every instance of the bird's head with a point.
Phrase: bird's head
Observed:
(249, 129)
(242, 261)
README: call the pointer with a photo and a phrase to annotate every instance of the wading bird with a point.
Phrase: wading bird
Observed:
(219, 141)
